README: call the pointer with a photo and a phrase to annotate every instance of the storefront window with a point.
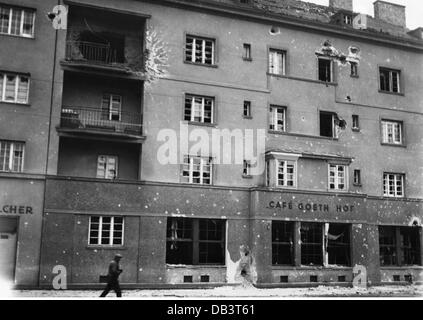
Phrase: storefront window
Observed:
(311, 243)
(195, 241)
(338, 244)
(282, 243)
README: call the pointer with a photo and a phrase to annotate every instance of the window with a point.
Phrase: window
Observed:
(11, 156)
(311, 243)
(392, 132)
(286, 173)
(246, 170)
(277, 118)
(355, 122)
(107, 167)
(338, 244)
(197, 170)
(277, 61)
(354, 70)
(325, 69)
(107, 231)
(247, 52)
(389, 80)
(348, 19)
(247, 109)
(393, 184)
(199, 50)
(399, 246)
(111, 107)
(357, 177)
(337, 177)
(195, 241)
(14, 88)
(199, 109)
(17, 21)
(282, 243)
(327, 124)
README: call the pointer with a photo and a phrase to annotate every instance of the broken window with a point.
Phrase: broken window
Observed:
(14, 88)
(199, 50)
(277, 61)
(337, 177)
(393, 184)
(111, 105)
(107, 167)
(311, 243)
(338, 244)
(285, 173)
(195, 241)
(399, 246)
(106, 231)
(391, 132)
(247, 52)
(355, 122)
(247, 108)
(357, 177)
(197, 170)
(277, 118)
(327, 124)
(389, 80)
(325, 69)
(11, 156)
(354, 69)
(198, 109)
(282, 243)
(246, 171)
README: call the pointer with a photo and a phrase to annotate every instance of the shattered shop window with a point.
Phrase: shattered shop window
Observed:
(200, 50)
(410, 246)
(325, 70)
(338, 244)
(387, 246)
(282, 243)
(106, 231)
(195, 241)
(389, 80)
(311, 243)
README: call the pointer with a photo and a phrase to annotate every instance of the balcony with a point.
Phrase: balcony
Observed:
(100, 58)
(77, 121)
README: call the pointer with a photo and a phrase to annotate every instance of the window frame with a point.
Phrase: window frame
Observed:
(284, 54)
(287, 163)
(386, 186)
(24, 11)
(273, 119)
(203, 51)
(334, 133)
(109, 96)
(384, 132)
(17, 82)
(391, 84)
(247, 106)
(11, 160)
(357, 174)
(116, 158)
(191, 170)
(203, 98)
(111, 232)
(332, 72)
(355, 118)
(291, 244)
(247, 52)
(336, 177)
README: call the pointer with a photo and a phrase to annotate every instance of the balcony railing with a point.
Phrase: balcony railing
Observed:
(82, 118)
(92, 52)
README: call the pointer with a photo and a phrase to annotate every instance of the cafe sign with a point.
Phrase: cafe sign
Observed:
(309, 206)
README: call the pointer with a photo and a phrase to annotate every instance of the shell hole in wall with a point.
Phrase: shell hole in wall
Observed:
(274, 30)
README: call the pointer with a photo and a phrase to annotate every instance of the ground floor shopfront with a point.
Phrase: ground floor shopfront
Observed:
(187, 235)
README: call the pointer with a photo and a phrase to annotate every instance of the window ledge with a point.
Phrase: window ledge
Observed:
(401, 94)
(355, 129)
(202, 64)
(191, 266)
(354, 76)
(393, 145)
(304, 267)
(301, 135)
(302, 79)
(203, 124)
(357, 185)
(247, 117)
(247, 176)
(17, 36)
(401, 267)
(105, 247)
(247, 59)
(15, 103)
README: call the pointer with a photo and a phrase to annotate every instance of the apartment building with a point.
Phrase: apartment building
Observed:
(335, 94)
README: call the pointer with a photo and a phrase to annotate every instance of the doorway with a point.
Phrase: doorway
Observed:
(8, 247)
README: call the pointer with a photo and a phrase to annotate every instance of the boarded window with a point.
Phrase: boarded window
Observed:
(282, 243)
(195, 241)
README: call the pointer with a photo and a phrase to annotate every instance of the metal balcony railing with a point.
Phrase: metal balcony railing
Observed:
(92, 52)
(97, 119)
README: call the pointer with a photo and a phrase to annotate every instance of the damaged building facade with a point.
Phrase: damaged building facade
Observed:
(336, 93)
